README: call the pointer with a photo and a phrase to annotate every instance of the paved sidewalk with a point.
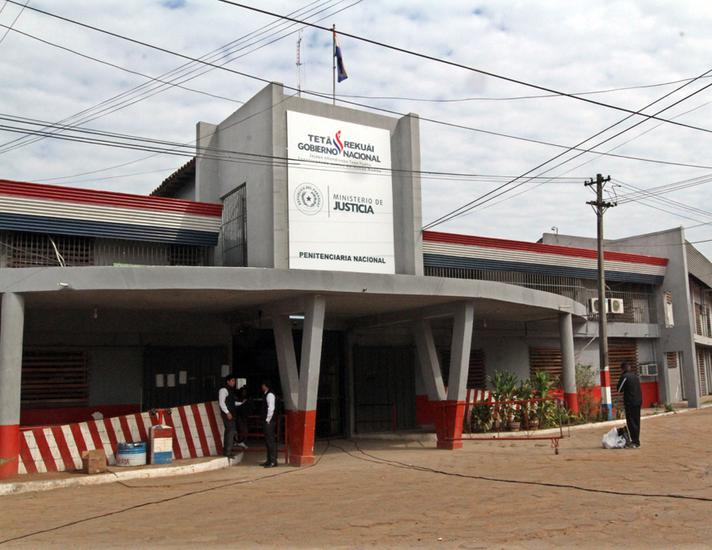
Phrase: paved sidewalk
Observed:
(58, 480)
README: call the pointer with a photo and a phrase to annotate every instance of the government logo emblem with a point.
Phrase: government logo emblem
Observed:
(308, 199)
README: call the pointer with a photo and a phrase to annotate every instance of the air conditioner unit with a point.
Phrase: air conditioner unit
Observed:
(593, 305)
(615, 305)
(648, 369)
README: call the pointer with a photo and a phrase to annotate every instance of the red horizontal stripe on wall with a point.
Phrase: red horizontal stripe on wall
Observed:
(488, 242)
(107, 198)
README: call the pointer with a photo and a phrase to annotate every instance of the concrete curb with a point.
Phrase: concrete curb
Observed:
(611, 423)
(430, 436)
(150, 472)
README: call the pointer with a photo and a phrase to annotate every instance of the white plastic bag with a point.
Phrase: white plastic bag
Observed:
(611, 440)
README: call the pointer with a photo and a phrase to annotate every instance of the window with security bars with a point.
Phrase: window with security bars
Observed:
(671, 359)
(549, 360)
(233, 232)
(36, 249)
(54, 378)
(19, 249)
(476, 373)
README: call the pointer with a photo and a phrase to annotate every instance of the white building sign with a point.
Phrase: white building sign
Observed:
(340, 195)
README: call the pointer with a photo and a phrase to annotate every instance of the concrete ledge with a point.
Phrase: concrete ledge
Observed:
(607, 424)
(397, 436)
(119, 474)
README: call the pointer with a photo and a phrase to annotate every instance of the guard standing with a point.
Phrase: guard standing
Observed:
(226, 402)
(270, 420)
(629, 386)
(241, 410)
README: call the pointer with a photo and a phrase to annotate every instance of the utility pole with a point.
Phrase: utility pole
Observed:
(599, 207)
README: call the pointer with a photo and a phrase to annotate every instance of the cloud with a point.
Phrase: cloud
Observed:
(174, 4)
(575, 47)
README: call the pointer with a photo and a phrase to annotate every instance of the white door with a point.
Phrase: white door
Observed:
(673, 367)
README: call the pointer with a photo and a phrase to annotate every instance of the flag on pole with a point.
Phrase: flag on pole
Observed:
(340, 68)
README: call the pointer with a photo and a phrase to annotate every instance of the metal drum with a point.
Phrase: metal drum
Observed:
(131, 454)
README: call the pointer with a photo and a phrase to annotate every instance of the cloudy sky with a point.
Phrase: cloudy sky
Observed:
(568, 46)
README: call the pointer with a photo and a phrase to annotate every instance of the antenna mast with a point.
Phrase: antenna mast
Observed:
(299, 64)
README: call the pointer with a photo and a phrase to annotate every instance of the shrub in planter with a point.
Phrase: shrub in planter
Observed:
(481, 417)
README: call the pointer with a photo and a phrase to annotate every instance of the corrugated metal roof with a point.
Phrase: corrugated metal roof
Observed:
(70, 211)
(538, 248)
(698, 264)
(177, 180)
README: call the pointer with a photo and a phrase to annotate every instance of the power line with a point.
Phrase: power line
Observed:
(460, 66)
(13, 21)
(223, 53)
(476, 202)
(389, 111)
(115, 66)
(515, 98)
(591, 160)
(666, 188)
(174, 148)
(161, 146)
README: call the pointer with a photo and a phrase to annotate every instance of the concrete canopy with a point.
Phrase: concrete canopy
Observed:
(350, 297)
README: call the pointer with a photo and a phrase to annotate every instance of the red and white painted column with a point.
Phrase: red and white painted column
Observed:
(12, 321)
(300, 388)
(448, 409)
(606, 399)
(568, 361)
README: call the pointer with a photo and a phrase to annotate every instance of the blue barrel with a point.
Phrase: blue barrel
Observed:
(131, 454)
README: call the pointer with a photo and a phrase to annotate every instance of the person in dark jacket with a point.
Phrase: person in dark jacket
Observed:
(226, 402)
(629, 386)
(241, 414)
(270, 420)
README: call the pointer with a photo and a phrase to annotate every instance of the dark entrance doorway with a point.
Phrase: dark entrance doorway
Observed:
(174, 376)
(255, 358)
(384, 388)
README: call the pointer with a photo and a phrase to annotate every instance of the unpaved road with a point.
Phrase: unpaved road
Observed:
(357, 500)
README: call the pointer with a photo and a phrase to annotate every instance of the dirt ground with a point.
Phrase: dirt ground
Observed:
(492, 495)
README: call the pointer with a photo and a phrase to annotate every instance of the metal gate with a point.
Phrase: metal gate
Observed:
(384, 388)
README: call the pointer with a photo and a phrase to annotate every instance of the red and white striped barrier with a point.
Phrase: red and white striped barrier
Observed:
(197, 431)
(475, 396)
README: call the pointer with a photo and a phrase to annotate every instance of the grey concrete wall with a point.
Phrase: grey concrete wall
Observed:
(207, 170)
(115, 375)
(670, 244)
(260, 127)
(503, 352)
(407, 202)
(115, 343)
(568, 240)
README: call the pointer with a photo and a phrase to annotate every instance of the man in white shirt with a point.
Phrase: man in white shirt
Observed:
(270, 420)
(226, 401)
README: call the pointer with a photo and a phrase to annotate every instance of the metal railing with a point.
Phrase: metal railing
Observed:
(638, 307)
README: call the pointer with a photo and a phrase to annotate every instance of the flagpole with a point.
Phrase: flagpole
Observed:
(333, 64)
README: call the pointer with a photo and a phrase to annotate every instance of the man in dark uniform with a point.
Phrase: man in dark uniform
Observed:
(270, 421)
(629, 386)
(241, 413)
(226, 402)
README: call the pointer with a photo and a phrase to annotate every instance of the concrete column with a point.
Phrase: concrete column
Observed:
(428, 360)
(568, 361)
(12, 320)
(460, 352)
(300, 389)
(286, 360)
(448, 409)
(310, 363)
